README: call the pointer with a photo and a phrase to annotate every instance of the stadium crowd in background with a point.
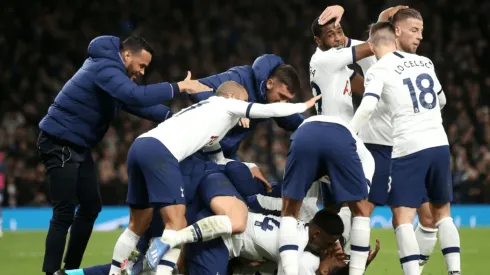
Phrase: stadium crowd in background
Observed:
(43, 46)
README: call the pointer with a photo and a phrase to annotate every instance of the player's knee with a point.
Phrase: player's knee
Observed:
(439, 212)
(174, 216)
(291, 207)
(402, 215)
(239, 219)
(361, 208)
(89, 211)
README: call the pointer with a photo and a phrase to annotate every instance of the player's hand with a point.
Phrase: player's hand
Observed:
(310, 103)
(258, 175)
(372, 254)
(192, 86)
(331, 12)
(389, 12)
(244, 122)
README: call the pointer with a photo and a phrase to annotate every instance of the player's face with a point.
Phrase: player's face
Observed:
(277, 91)
(136, 63)
(320, 240)
(409, 34)
(333, 37)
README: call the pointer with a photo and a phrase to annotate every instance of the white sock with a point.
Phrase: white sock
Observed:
(359, 242)
(288, 245)
(168, 262)
(346, 217)
(427, 239)
(204, 230)
(124, 245)
(408, 249)
(450, 244)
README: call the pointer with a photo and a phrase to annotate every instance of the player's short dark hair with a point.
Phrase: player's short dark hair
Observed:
(382, 26)
(404, 14)
(328, 221)
(287, 75)
(317, 29)
(135, 44)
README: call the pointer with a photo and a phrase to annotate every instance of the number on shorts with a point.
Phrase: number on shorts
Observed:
(265, 225)
(423, 91)
(316, 91)
(191, 108)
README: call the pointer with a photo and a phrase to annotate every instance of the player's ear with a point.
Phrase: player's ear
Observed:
(269, 84)
(318, 41)
(371, 46)
(397, 31)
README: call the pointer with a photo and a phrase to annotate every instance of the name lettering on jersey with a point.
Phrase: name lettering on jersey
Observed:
(212, 139)
(413, 64)
(346, 88)
(312, 72)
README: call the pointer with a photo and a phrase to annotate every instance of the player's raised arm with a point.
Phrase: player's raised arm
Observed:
(237, 105)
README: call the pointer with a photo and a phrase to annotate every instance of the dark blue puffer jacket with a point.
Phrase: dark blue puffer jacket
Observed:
(87, 103)
(254, 79)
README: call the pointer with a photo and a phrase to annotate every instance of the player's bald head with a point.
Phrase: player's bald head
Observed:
(231, 89)
(382, 33)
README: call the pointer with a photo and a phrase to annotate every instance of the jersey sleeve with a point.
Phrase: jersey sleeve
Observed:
(364, 63)
(256, 110)
(215, 153)
(367, 159)
(373, 87)
(308, 263)
(335, 59)
(438, 87)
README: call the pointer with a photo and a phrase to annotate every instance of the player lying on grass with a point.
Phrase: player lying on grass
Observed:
(195, 172)
(155, 177)
(421, 158)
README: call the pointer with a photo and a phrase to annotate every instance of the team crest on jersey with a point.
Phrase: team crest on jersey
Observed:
(368, 79)
(212, 139)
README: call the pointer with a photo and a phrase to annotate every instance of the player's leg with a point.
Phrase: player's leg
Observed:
(349, 184)
(407, 190)
(426, 233)
(140, 210)
(301, 171)
(219, 195)
(440, 193)
(90, 205)
(157, 183)
(209, 257)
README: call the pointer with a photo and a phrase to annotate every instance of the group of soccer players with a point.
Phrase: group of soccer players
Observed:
(392, 150)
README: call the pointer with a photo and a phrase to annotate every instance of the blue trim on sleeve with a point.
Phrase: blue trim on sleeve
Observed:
(372, 94)
(247, 113)
(353, 55)
(288, 247)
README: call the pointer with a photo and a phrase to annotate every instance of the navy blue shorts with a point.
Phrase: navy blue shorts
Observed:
(242, 179)
(381, 178)
(216, 184)
(424, 174)
(322, 148)
(210, 257)
(153, 174)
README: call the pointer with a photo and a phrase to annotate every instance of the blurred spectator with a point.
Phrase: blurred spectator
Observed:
(43, 44)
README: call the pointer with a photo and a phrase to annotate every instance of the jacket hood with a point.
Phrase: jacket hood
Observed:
(262, 68)
(105, 47)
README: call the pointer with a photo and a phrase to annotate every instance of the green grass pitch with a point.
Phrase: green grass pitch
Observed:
(21, 253)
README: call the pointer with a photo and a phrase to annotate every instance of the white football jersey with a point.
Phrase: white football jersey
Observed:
(378, 129)
(407, 83)
(204, 124)
(260, 241)
(330, 77)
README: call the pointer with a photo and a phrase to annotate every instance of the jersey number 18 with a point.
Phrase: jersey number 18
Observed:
(422, 92)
